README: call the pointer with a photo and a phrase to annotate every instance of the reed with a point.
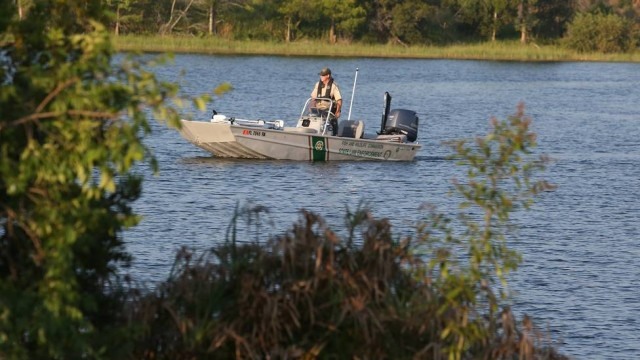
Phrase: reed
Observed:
(501, 50)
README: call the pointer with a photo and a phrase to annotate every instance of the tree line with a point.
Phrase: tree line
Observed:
(580, 24)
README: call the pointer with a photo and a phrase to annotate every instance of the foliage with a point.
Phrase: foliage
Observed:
(124, 14)
(322, 17)
(550, 18)
(407, 22)
(295, 12)
(71, 129)
(312, 293)
(348, 16)
(488, 16)
(607, 33)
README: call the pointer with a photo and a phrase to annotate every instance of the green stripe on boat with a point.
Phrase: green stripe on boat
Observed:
(319, 145)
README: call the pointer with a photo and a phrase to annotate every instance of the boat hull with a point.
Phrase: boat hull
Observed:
(247, 142)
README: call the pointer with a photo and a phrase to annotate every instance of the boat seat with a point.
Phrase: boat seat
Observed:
(351, 128)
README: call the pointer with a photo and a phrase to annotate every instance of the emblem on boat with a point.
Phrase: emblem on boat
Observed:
(319, 145)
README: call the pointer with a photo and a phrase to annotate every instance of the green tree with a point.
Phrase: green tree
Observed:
(398, 21)
(214, 8)
(178, 11)
(489, 15)
(339, 17)
(412, 22)
(206, 16)
(124, 14)
(320, 18)
(22, 7)
(608, 33)
(526, 19)
(404, 22)
(259, 19)
(550, 18)
(71, 126)
(295, 12)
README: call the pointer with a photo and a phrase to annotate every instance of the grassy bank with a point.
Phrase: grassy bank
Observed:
(511, 50)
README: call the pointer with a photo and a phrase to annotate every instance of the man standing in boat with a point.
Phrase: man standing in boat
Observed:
(327, 88)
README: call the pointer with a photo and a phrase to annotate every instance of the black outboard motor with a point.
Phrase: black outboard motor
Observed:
(398, 121)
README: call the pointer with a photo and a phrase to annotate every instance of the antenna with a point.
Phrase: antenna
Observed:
(352, 93)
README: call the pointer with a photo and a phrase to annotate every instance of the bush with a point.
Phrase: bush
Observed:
(312, 294)
(72, 123)
(599, 33)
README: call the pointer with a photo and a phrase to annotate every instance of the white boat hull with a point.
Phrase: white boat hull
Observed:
(226, 140)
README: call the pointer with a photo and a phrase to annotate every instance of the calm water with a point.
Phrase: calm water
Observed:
(581, 274)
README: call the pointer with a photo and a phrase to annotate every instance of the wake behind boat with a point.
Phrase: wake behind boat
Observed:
(311, 139)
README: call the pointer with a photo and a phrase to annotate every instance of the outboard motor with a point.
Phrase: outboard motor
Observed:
(401, 121)
(398, 121)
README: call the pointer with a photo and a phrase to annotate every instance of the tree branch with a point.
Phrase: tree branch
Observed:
(54, 93)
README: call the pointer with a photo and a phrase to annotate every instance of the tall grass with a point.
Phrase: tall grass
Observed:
(502, 50)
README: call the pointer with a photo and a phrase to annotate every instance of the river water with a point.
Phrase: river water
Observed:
(580, 278)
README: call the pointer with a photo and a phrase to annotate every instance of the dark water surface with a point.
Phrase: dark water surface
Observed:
(581, 273)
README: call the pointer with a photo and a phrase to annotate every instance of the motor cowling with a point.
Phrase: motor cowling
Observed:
(402, 121)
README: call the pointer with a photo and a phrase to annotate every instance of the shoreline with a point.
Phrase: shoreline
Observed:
(498, 51)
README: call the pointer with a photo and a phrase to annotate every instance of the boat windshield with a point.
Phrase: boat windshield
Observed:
(317, 107)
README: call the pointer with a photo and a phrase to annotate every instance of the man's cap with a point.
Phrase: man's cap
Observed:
(325, 71)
